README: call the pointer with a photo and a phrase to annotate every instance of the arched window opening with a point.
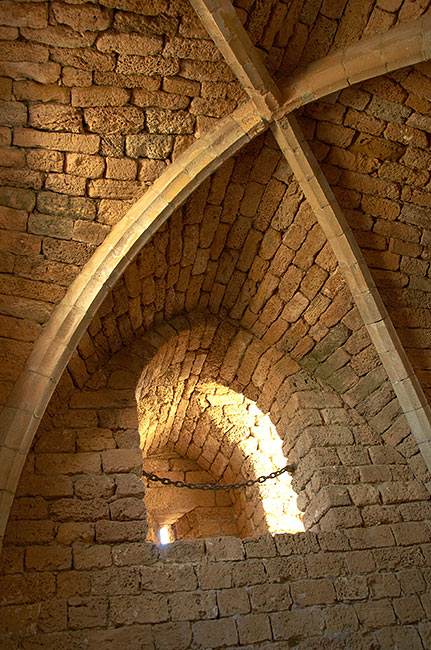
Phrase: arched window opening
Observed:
(187, 514)
(165, 535)
(211, 434)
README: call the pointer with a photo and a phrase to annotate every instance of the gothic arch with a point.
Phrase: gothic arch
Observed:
(404, 45)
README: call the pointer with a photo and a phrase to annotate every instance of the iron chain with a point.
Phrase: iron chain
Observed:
(210, 486)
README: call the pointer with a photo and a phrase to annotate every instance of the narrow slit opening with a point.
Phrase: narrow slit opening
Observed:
(164, 535)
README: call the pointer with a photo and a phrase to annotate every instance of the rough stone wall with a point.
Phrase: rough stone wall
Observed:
(364, 588)
(95, 100)
(76, 568)
(292, 34)
(251, 251)
(373, 143)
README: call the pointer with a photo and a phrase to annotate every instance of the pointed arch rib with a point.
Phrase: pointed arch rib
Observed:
(370, 57)
(35, 385)
(223, 25)
(358, 277)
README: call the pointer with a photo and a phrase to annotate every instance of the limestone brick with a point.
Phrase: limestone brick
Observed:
(24, 15)
(41, 72)
(216, 633)
(114, 120)
(87, 612)
(297, 623)
(51, 35)
(99, 96)
(45, 559)
(82, 17)
(74, 77)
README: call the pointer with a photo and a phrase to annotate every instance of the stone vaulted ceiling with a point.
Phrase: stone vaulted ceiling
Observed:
(282, 151)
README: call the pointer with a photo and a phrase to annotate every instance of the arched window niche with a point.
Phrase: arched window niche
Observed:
(198, 398)
(223, 439)
(197, 425)
(201, 400)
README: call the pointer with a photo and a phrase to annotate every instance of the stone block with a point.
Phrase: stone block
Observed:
(114, 119)
(169, 122)
(82, 17)
(48, 558)
(94, 487)
(45, 73)
(215, 633)
(372, 537)
(79, 510)
(351, 588)
(127, 509)
(253, 628)
(74, 77)
(130, 44)
(375, 614)
(75, 463)
(119, 531)
(13, 619)
(24, 14)
(121, 460)
(91, 556)
(87, 612)
(341, 619)
(233, 602)
(56, 141)
(313, 592)
(55, 117)
(71, 532)
(215, 575)
(400, 492)
(133, 637)
(410, 532)
(281, 570)
(53, 34)
(84, 165)
(115, 581)
(297, 624)
(32, 588)
(99, 96)
(108, 188)
(384, 585)
(47, 161)
(193, 606)
(390, 637)
(172, 635)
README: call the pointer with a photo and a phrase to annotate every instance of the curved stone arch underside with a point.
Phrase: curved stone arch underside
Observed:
(209, 420)
(234, 430)
(28, 400)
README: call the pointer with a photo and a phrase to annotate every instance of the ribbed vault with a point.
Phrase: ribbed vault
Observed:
(241, 267)
(215, 259)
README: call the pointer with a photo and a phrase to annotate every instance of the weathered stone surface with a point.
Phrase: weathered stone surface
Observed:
(129, 44)
(51, 117)
(124, 119)
(234, 320)
(149, 146)
(167, 121)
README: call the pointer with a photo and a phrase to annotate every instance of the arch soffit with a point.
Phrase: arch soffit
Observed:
(401, 46)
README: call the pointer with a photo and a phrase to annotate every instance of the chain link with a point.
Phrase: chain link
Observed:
(210, 486)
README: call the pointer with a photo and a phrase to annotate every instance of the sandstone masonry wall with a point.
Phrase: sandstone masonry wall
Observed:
(372, 141)
(370, 589)
(95, 100)
(76, 568)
